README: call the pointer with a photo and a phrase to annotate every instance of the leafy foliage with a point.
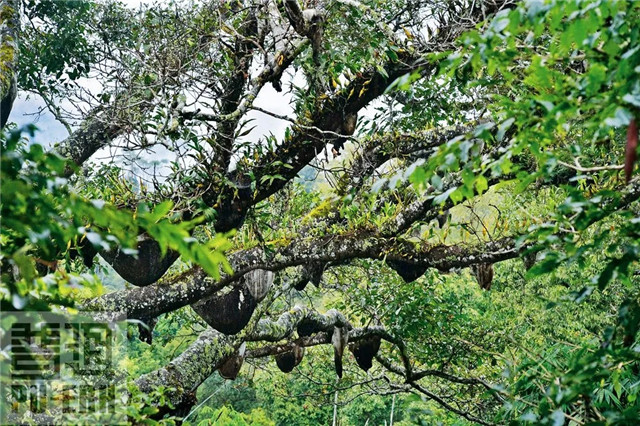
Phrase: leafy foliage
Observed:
(43, 218)
(544, 93)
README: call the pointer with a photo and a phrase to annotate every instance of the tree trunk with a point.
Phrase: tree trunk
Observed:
(9, 28)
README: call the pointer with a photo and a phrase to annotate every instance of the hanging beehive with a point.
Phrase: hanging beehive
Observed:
(287, 361)
(365, 350)
(231, 367)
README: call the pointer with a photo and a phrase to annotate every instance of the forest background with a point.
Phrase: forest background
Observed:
(423, 212)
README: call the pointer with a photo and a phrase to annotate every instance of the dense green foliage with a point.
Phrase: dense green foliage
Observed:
(551, 88)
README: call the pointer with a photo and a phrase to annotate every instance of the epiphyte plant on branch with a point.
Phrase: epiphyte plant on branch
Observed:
(520, 113)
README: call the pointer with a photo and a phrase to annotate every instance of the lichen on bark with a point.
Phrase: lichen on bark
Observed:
(9, 29)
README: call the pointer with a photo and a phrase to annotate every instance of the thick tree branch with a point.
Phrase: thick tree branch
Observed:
(9, 29)
(294, 14)
(328, 115)
(204, 356)
(378, 149)
(97, 131)
(233, 89)
(194, 285)
(286, 161)
(209, 352)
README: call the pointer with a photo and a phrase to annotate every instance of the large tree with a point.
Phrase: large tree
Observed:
(423, 120)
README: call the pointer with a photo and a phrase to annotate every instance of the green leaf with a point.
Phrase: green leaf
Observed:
(481, 184)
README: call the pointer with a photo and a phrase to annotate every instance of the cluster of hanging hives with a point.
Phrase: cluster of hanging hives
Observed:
(229, 313)
(409, 272)
(364, 350)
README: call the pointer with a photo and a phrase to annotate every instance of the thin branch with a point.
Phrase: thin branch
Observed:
(579, 168)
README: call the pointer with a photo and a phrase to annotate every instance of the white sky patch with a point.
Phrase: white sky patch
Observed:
(279, 103)
(25, 112)
(134, 4)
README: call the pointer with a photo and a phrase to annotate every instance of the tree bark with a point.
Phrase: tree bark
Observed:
(9, 32)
